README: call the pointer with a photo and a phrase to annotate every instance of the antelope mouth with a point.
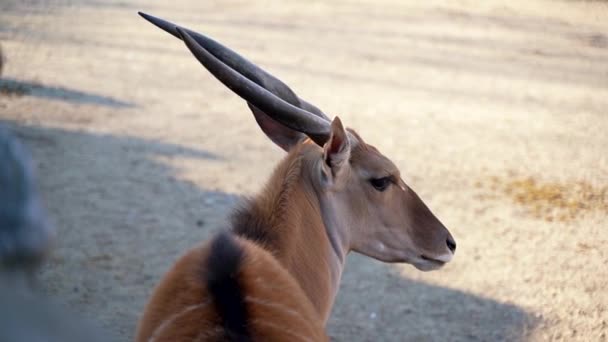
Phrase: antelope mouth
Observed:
(426, 263)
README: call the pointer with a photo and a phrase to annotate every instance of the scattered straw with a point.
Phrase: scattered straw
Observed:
(553, 201)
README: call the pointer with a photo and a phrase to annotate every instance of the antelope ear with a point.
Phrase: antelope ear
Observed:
(336, 151)
(284, 137)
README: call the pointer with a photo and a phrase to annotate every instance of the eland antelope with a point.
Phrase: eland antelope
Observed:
(274, 274)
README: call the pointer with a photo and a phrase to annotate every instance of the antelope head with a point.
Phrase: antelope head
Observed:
(365, 204)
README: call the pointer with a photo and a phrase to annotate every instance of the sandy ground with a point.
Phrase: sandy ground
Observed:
(496, 113)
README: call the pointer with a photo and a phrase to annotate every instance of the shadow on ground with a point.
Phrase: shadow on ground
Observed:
(409, 310)
(13, 87)
(123, 217)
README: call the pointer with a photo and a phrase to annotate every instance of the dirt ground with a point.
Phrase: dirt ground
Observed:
(497, 114)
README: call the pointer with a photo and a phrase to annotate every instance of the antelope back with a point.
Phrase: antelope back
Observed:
(229, 289)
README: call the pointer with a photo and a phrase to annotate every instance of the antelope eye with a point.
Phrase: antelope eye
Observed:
(380, 184)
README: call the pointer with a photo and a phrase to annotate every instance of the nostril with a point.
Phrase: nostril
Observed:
(451, 244)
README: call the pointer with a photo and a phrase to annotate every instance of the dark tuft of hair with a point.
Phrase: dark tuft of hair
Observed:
(224, 285)
(248, 224)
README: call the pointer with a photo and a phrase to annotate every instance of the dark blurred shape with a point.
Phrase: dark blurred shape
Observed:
(1, 60)
(25, 238)
(25, 233)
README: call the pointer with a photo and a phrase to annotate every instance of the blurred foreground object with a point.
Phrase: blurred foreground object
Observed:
(25, 234)
(1, 60)
(25, 238)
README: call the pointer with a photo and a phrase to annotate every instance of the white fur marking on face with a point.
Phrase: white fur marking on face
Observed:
(445, 257)
(401, 184)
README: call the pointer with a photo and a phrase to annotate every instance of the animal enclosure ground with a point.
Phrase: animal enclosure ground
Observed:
(491, 110)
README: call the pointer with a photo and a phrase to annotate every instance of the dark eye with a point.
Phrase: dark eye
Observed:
(380, 184)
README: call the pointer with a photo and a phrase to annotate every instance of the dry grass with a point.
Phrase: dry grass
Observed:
(551, 201)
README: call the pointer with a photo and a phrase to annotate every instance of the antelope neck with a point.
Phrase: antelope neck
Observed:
(292, 221)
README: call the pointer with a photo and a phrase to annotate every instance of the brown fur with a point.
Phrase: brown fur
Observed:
(277, 308)
(287, 215)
